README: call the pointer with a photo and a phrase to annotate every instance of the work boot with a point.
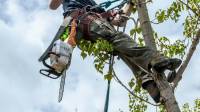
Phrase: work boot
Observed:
(171, 76)
(152, 89)
(161, 63)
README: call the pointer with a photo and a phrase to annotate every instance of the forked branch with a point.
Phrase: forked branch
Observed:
(191, 51)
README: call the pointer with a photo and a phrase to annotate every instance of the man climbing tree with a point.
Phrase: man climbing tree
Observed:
(90, 22)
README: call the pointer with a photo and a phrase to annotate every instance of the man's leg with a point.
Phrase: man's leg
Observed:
(131, 54)
(147, 81)
(126, 46)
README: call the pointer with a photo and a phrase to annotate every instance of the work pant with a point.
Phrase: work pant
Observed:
(125, 47)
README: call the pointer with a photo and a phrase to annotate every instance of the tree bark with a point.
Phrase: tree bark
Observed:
(167, 95)
(166, 90)
(145, 25)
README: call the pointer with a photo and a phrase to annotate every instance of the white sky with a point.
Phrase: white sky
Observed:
(26, 29)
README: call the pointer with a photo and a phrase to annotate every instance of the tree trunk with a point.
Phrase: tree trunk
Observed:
(166, 90)
(145, 25)
(167, 95)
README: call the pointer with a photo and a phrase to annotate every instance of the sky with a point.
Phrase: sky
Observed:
(26, 29)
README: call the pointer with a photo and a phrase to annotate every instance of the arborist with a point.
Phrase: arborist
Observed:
(90, 23)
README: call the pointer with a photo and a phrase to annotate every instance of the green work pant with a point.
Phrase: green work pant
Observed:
(125, 47)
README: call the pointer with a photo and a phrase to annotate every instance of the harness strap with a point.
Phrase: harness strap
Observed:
(72, 36)
(109, 14)
(85, 18)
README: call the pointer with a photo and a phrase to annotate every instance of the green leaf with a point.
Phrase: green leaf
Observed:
(108, 76)
(84, 55)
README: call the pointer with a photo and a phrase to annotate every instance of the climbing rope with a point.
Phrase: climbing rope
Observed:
(107, 97)
(111, 62)
(112, 71)
(125, 87)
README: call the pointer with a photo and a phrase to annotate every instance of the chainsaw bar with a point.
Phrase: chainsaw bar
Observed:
(62, 86)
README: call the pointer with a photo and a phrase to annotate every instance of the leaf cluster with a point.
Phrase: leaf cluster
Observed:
(173, 12)
(195, 108)
(176, 9)
(169, 48)
(136, 105)
(101, 50)
(190, 26)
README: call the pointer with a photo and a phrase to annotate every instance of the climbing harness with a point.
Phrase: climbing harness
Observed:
(105, 4)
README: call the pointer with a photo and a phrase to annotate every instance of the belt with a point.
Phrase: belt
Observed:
(84, 19)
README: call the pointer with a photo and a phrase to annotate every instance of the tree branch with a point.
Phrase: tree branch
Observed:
(192, 49)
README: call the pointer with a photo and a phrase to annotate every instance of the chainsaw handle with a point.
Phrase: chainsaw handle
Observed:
(49, 73)
(45, 63)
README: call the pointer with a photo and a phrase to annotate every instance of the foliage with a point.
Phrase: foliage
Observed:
(178, 7)
(164, 44)
(162, 109)
(190, 26)
(169, 48)
(195, 108)
(135, 104)
(173, 12)
(101, 50)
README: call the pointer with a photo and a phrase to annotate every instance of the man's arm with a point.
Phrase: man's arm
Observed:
(119, 20)
(54, 4)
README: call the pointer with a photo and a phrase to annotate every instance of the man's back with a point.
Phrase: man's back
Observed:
(69, 5)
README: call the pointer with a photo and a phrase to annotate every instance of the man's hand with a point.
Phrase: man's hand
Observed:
(121, 18)
(54, 4)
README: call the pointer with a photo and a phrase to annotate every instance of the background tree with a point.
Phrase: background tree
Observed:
(178, 48)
